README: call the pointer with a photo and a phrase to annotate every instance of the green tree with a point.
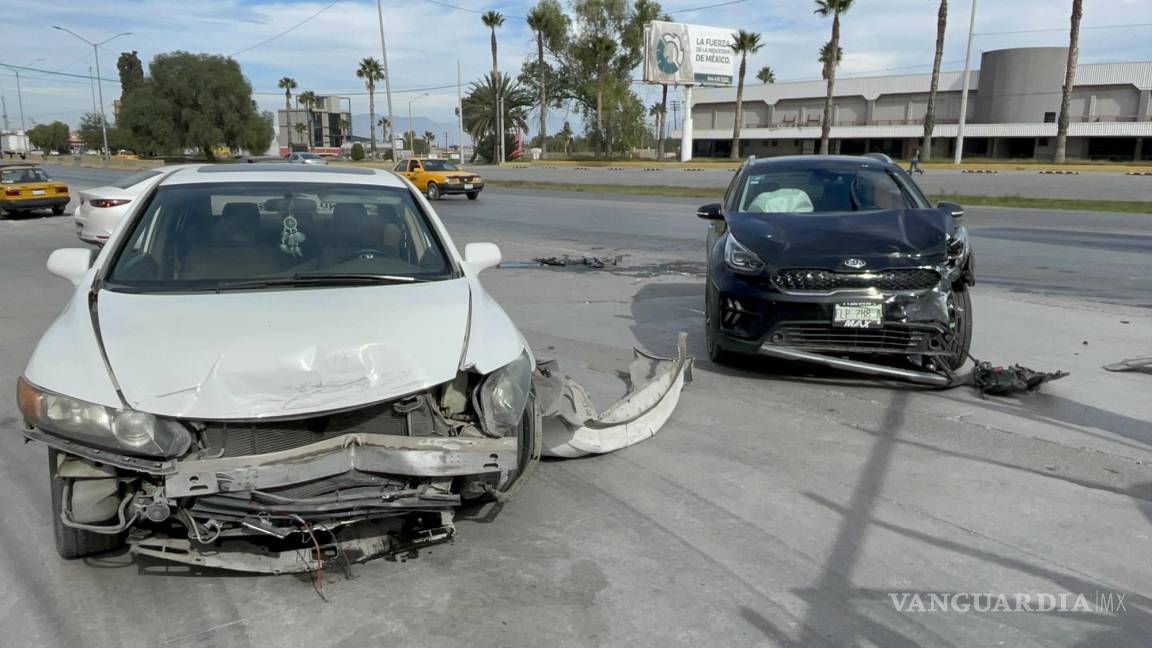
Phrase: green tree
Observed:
(547, 19)
(1069, 81)
(198, 101)
(357, 152)
(50, 137)
(766, 75)
(429, 137)
(745, 43)
(371, 71)
(825, 62)
(92, 136)
(309, 101)
(930, 115)
(287, 84)
(480, 109)
(492, 20)
(131, 71)
(301, 130)
(833, 8)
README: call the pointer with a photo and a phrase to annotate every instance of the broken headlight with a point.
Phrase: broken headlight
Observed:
(106, 427)
(504, 395)
(740, 258)
(958, 245)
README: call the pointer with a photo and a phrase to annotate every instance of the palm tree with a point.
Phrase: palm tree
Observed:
(429, 137)
(657, 111)
(1069, 81)
(288, 84)
(301, 128)
(745, 43)
(480, 118)
(930, 115)
(309, 100)
(384, 124)
(345, 130)
(766, 75)
(565, 136)
(832, 8)
(371, 71)
(539, 21)
(825, 49)
(492, 20)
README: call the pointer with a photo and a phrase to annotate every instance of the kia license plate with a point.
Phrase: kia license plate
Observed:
(864, 315)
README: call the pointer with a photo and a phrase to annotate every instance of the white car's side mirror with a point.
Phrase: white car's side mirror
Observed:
(72, 263)
(482, 256)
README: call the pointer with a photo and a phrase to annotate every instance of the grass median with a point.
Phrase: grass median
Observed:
(671, 191)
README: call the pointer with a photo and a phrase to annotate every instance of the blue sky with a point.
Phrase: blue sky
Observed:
(425, 39)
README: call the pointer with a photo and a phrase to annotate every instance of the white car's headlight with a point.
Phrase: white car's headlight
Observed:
(504, 395)
(740, 258)
(107, 427)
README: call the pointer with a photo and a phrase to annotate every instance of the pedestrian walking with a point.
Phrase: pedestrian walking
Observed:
(914, 167)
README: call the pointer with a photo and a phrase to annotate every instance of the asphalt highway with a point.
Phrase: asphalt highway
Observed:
(780, 506)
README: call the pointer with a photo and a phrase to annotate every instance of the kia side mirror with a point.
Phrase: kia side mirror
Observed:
(70, 263)
(711, 211)
(481, 256)
(956, 210)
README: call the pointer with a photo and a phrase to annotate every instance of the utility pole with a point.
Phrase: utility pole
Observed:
(459, 111)
(387, 78)
(964, 94)
(4, 110)
(99, 83)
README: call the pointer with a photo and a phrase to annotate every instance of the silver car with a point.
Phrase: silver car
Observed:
(305, 158)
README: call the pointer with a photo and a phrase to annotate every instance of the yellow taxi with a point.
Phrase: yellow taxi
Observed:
(24, 187)
(436, 177)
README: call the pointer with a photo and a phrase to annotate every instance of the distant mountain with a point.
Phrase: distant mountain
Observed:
(419, 124)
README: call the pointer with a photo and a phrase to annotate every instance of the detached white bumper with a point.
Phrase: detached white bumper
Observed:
(571, 425)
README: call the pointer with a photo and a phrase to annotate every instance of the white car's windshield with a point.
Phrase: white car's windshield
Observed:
(816, 190)
(253, 235)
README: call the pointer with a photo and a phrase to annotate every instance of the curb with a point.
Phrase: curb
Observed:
(1059, 173)
(1139, 173)
(982, 171)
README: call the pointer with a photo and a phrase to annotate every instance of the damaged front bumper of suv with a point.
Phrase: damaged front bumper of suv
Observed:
(279, 496)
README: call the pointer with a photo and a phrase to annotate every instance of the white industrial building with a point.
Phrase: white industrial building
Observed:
(1013, 102)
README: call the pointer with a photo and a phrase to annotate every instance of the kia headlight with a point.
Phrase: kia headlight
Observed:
(740, 258)
(958, 245)
(111, 428)
(504, 395)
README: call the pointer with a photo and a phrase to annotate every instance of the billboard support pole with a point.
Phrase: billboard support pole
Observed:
(686, 127)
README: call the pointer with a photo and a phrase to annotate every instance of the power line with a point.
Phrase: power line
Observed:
(293, 27)
(475, 11)
(711, 6)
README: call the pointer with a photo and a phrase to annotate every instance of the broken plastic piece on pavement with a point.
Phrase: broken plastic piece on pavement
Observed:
(1139, 363)
(572, 427)
(1002, 381)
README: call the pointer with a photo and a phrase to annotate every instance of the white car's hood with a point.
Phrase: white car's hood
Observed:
(276, 353)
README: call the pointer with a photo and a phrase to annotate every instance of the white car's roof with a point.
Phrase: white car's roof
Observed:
(277, 172)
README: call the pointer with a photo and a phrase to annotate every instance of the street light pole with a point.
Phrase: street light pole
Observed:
(412, 137)
(964, 95)
(387, 78)
(99, 83)
(20, 102)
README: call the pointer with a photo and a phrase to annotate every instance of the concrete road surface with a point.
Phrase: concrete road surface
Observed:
(1096, 186)
(780, 506)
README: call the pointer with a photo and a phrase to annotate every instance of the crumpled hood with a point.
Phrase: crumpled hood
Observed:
(883, 239)
(272, 353)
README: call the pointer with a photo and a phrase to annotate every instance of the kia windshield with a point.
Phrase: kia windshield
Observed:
(826, 189)
(275, 235)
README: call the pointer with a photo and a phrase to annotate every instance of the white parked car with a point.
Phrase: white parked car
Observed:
(305, 158)
(102, 208)
(280, 352)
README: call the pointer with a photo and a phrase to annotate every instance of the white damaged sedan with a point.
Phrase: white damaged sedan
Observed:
(273, 367)
(267, 352)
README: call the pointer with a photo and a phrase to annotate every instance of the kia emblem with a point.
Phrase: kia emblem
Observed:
(855, 263)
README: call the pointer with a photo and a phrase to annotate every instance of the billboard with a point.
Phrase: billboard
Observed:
(688, 54)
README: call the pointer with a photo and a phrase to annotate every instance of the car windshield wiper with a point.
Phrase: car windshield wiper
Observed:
(320, 279)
